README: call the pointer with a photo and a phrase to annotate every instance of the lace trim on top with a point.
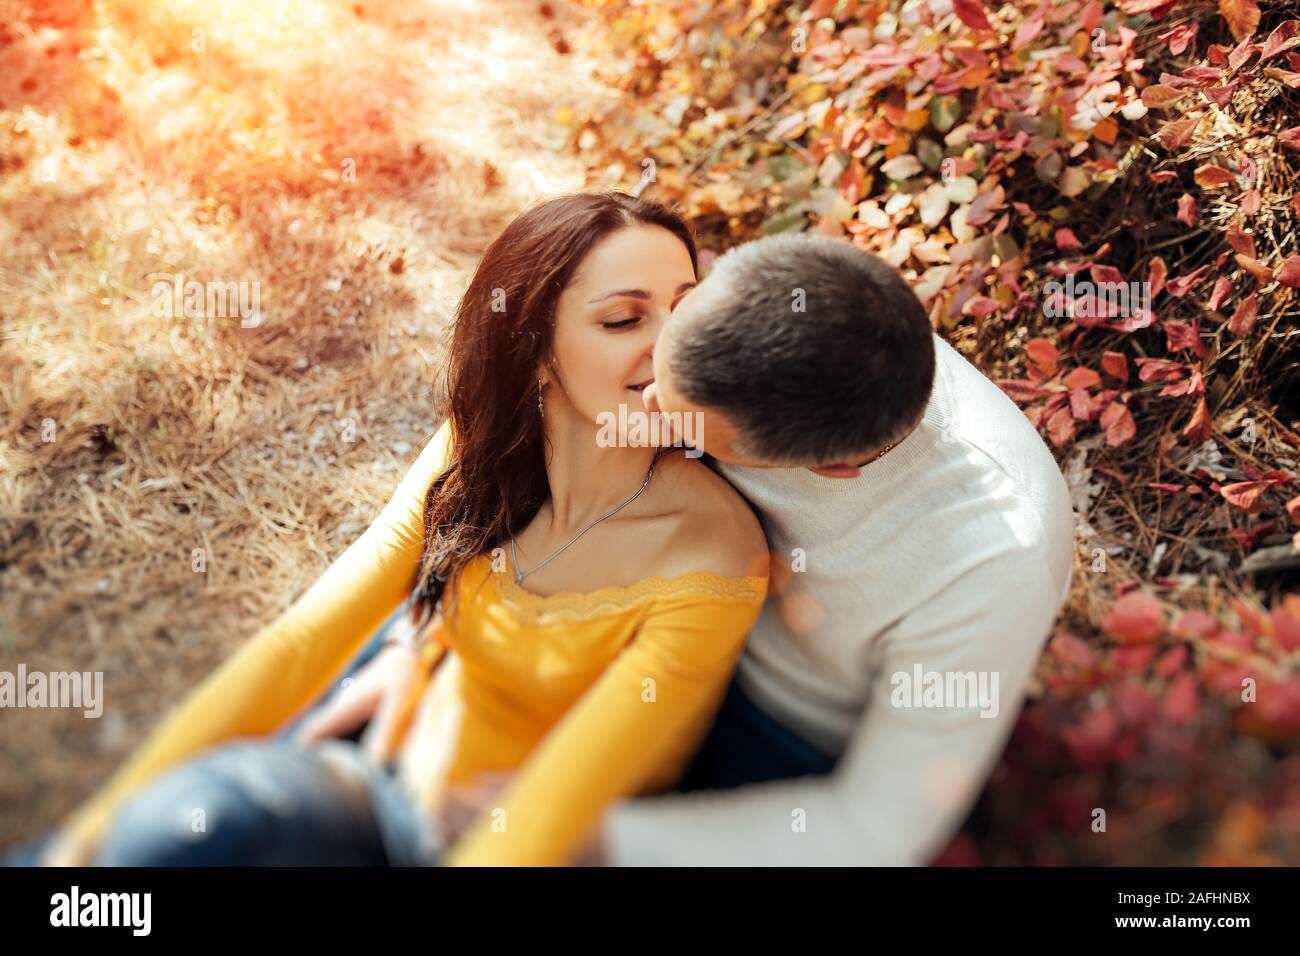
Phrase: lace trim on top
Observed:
(571, 605)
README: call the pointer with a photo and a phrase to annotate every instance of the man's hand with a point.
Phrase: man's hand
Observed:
(375, 694)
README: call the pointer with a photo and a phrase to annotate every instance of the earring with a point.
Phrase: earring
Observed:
(540, 409)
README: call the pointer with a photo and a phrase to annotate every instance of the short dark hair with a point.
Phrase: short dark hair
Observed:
(814, 348)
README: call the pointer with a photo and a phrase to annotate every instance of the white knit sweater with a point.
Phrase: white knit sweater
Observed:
(946, 560)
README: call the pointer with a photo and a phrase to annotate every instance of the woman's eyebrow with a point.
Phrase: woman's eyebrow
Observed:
(629, 293)
(636, 293)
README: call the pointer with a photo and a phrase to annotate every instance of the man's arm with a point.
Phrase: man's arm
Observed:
(909, 774)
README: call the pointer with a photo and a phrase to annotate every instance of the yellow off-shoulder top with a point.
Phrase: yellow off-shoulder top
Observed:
(588, 697)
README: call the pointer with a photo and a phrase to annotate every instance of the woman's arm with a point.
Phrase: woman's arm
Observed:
(645, 715)
(291, 661)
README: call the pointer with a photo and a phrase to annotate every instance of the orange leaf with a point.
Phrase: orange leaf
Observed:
(1242, 17)
(1115, 364)
(1082, 378)
(1210, 175)
(1200, 426)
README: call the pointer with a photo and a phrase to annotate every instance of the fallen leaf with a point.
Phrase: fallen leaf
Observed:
(971, 13)
(1136, 618)
(1242, 17)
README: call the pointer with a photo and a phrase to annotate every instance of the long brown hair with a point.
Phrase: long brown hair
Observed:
(495, 479)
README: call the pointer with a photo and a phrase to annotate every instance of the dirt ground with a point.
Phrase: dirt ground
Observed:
(169, 484)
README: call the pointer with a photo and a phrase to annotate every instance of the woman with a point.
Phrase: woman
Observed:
(582, 606)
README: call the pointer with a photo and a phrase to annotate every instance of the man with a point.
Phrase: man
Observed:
(925, 538)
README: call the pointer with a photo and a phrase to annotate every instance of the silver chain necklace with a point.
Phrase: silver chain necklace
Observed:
(514, 555)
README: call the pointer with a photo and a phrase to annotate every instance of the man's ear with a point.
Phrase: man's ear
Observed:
(837, 471)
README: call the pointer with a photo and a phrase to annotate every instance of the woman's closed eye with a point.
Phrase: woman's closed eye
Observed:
(621, 323)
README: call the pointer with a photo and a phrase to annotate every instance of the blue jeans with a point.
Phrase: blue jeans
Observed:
(329, 788)
(744, 745)
(272, 803)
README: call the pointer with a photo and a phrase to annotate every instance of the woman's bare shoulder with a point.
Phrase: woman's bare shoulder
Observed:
(714, 527)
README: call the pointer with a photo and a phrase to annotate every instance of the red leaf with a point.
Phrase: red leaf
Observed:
(1243, 319)
(1019, 390)
(1026, 32)
(1119, 424)
(1105, 275)
(1179, 37)
(1283, 37)
(1290, 137)
(1060, 427)
(1068, 649)
(1286, 622)
(1091, 738)
(1222, 289)
(971, 13)
(1194, 623)
(1289, 274)
(1193, 386)
(1220, 96)
(1136, 618)
(1241, 53)
(1241, 241)
(1184, 284)
(1181, 700)
(1244, 494)
(1248, 539)
(1187, 209)
(1172, 661)
(1066, 239)
(1159, 370)
(1134, 658)
(1181, 335)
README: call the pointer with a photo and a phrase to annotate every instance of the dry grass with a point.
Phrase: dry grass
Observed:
(125, 151)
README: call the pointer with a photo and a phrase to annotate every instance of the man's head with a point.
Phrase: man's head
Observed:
(799, 351)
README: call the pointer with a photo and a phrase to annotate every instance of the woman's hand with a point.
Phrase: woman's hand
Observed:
(462, 805)
(376, 694)
(67, 849)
